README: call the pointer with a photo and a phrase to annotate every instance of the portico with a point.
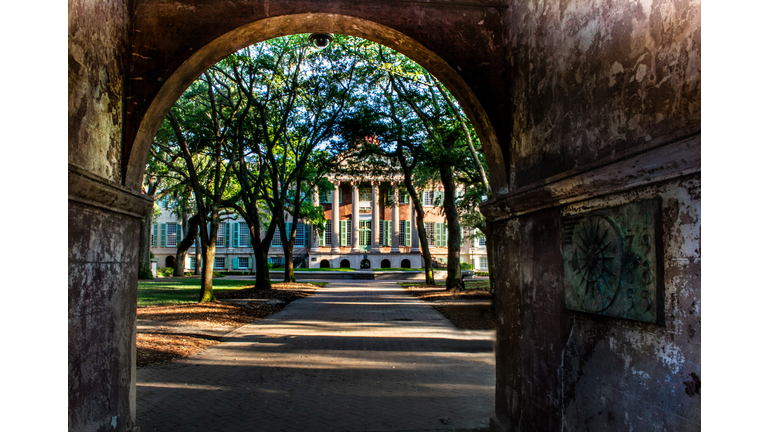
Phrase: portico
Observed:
(366, 215)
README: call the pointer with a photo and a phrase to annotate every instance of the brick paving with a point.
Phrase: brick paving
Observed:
(355, 356)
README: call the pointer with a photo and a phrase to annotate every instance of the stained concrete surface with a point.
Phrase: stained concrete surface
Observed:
(355, 356)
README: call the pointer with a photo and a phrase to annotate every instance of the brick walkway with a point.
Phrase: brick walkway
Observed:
(352, 357)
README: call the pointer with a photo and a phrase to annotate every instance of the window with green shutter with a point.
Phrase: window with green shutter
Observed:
(236, 235)
(408, 233)
(162, 235)
(227, 234)
(235, 264)
(342, 233)
(154, 235)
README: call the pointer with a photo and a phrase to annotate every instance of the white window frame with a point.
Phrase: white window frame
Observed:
(429, 198)
(481, 240)
(299, 241)
(480, 262)
(245, 234)
(192, 263)
(217, 260)
(240, 264)
(169, 236)
(328, 233)
(365, 196)
(221, 236)
(275, 260)
(276, 240)
(429, 227)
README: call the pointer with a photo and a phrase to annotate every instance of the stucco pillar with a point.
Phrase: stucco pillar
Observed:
(355, 216)
(315, 239)
(335, 218)
(375, 217)
(395, 217)
(414, 230)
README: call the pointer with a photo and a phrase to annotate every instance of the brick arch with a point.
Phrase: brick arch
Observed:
(155, 92)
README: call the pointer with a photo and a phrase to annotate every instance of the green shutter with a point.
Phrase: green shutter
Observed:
(342, 233)
(321, 237)
(439, 234)
(236, 234)
(154, 235)
(407, 233)
(307, 230)
(439, 195)
(388, 233)
(250, 263)
(162, 235)
(179, 234)
(235, 263)
(445, 235)
(226, 234)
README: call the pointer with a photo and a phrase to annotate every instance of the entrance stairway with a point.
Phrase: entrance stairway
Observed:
(363, 276)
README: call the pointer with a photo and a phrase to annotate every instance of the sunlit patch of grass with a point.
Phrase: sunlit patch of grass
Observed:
(161, 292)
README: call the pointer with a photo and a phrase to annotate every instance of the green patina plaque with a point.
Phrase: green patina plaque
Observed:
(613, 262)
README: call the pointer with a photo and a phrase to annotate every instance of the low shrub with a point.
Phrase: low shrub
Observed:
(482, 273)
(467, 266)
(165, 271)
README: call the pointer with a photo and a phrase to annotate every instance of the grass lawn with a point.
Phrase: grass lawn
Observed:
(470, 285)
(166, 291)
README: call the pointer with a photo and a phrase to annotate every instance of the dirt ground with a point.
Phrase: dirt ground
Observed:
(469, 309)
(184, 330)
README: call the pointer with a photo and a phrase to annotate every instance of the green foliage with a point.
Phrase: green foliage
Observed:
(164, 271)
(467, 266)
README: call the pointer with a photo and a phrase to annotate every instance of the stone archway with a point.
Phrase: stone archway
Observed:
(344, 263)
(588, 91)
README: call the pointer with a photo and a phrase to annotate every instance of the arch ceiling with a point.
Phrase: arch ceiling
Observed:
(174, 45)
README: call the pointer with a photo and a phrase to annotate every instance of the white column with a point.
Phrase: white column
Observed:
(355, 216)
(375, 217)
(335, 219)
(395, 217)
(314, 238)
(414, 230)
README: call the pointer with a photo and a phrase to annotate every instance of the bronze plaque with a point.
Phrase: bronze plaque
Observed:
(614, 262)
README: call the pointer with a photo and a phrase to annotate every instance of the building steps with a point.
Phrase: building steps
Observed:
(363, 276)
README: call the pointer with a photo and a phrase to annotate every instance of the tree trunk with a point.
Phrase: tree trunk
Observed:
(181, 251)
(288, 275)
(145, 265)
(209, 254)
(198, 256)
(190, 227)
(453, 280)
(261, 268)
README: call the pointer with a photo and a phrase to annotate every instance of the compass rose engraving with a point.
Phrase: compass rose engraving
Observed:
(596, 263)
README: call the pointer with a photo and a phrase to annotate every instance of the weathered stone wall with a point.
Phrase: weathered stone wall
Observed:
(593, 80)
(103, 243)
(583, 371)
(98, 46)
(607, 109)
(102, 313)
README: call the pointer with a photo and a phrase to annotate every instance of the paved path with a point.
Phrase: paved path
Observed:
(355, 356)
